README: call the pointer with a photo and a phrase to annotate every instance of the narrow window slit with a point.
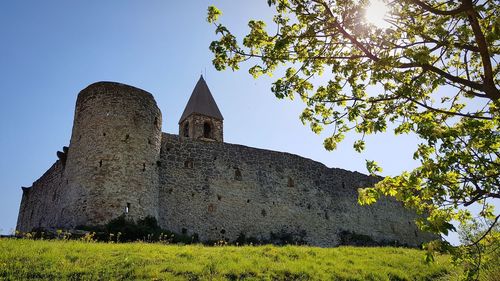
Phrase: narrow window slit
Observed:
(186, 130)
(263, 212)
(237, 174)
(207, 130)
(188, 164)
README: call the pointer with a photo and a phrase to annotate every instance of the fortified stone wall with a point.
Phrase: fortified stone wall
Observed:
(219, 190)
(119, 162)
(110, 167)
(40, 202)
(112, 159)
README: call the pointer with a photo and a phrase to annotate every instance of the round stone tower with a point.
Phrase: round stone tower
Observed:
(111, 167)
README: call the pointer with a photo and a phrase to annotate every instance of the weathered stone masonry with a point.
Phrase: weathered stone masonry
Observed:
(119, 162)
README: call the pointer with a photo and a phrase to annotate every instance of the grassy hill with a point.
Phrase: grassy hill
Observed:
(22, 259)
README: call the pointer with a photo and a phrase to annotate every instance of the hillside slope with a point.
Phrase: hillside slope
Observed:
(75, 260)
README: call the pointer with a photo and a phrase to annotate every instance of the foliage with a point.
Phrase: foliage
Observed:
(121, 229)
(483, 254)
(22, 259)
(351, 238)
(284, 237)
(433, 73)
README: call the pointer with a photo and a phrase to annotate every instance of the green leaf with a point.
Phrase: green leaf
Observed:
(359, 145)
(213, 14)
(372, 167)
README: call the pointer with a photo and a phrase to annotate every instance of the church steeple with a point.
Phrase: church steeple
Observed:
(201, 118)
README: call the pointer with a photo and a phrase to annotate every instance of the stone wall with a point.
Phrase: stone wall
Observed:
(219, 190)
(40, 204)
(111, 166)
(113, 154)
(119, 162)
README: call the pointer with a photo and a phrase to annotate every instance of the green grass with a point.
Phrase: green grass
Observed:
(22, 259)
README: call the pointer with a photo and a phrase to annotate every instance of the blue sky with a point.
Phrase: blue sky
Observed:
(51, 50)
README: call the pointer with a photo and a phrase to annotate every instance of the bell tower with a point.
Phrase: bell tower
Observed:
(201, 118)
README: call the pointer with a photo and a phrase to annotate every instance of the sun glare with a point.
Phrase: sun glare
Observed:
(376, 12)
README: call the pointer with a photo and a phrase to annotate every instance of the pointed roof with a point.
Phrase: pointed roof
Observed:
(201, 102)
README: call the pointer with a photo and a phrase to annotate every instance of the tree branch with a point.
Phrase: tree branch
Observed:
(448, 112)
(489, 84)
(436, 11)
(346, 34)
(487, 231)
(456, 79)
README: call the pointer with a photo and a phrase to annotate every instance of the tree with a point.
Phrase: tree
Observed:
(432, 72)
(483, 256)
